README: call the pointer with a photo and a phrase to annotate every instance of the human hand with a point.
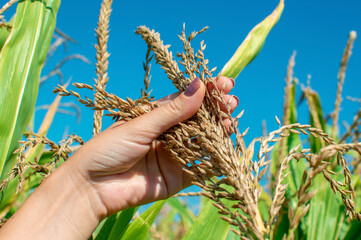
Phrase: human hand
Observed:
(127, 167)
(122, 167)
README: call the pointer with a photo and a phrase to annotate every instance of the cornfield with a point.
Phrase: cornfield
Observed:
(299, 181)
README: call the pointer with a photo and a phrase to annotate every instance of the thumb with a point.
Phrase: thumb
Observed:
(146, 128)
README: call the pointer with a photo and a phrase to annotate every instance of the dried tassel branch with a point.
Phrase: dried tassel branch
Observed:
(341, 78)
(206, 128)
(147, 66)
(163, 57)
(61, 150)
(57, 68)
(280, 188)
(188, 194)
(288, 89)
(286, 104)
(102, 56)
(356, 121)
(309, 93)
(7, 6)
(5, 25)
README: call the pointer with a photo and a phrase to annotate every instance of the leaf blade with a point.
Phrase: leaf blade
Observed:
(139, 229)
(21, 60)
(252, 44)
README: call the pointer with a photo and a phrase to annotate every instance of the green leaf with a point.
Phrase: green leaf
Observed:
(252, 45)
(115, 225)
(296, 168)
(231, 235)
(186, 215)
(21, 61)
(264, 204)
(353, 233)
(316, 119)
(33, 180)
(326, 213)
(139, 229)
(209, 225)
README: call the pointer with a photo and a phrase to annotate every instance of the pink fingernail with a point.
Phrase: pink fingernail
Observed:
(193, 87)
(233, 82)
(237, 99)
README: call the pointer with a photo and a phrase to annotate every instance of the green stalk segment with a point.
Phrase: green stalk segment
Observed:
(252, 45)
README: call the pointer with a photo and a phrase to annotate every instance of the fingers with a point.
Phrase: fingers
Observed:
(226, 84)
(223, 83)
(231, 101)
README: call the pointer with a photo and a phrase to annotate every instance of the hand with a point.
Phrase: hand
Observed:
(122, 167)
(127, 167)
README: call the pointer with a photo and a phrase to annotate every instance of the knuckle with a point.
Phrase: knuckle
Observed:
(174, 106)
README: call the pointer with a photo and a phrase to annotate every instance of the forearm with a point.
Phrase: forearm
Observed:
(64, 206)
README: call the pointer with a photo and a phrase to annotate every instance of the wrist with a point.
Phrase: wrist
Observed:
(62, 207)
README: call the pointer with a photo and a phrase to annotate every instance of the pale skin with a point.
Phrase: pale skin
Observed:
(122, 167)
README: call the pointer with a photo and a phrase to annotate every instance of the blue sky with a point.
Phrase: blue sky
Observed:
(316, 29)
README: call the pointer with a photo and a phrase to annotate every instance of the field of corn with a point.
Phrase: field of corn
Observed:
(298, 181)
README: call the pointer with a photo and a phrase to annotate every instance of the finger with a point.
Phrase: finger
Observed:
(144, 129)
(230, 100)
(222, 83)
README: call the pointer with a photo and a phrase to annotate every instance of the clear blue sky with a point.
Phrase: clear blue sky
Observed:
(316, 29)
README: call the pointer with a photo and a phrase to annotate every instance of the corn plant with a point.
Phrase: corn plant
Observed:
(22, 56)
(26, 46)
(312, 192)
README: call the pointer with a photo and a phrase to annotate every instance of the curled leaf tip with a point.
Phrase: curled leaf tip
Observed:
(252, 44)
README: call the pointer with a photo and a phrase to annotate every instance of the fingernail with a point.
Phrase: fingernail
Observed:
(193, 87)
(237, 99)
(233, 82)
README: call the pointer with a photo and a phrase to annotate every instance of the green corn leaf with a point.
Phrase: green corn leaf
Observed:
(296, 168)
(326, 213)
(327, 216)
(209, 225)
(186, 215)
(353, 232)
(264, 204)
(21, 61)
(231, 235)
(115, 225)
(316, 119)
(252, 45)
(139, 229)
